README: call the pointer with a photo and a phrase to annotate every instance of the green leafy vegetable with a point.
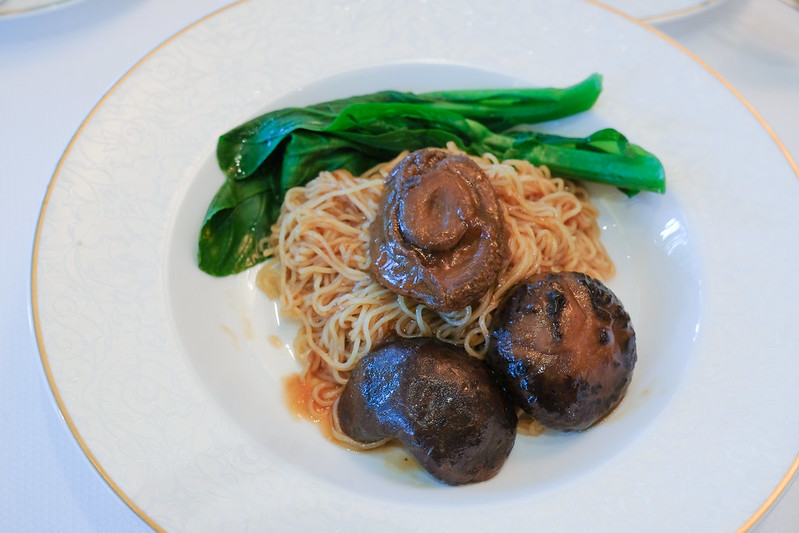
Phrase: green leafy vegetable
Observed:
(270, 154)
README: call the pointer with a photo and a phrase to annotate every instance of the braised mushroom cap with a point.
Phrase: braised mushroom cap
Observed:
(439, 234)
(564, 348)
(438, 401)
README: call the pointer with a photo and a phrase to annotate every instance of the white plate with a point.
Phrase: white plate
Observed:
(171, 384)
(654, 11)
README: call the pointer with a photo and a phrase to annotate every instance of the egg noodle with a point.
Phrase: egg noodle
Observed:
(318, 265)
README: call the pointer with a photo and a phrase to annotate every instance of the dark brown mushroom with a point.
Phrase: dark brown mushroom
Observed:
(438, 401)
(563, 347)
(439, 235)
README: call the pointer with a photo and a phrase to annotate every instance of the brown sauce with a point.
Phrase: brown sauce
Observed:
(297, 397)
(275, 341)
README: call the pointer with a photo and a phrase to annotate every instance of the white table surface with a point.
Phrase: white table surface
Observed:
(55, 66)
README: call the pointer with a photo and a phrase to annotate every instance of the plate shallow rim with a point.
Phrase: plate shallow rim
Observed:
(768, 502)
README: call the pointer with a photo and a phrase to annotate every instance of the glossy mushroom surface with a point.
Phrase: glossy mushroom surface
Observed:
(439, 234)
(563, 347)
(438, 401)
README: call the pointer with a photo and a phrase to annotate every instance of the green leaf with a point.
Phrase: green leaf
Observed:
(242, 150)
(500, 109)
(604, 157)
(240, 215)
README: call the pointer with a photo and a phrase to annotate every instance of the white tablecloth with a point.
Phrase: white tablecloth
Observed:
(55, 66)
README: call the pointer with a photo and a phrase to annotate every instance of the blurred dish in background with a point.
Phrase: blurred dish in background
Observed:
(12, 8)
(654, 11)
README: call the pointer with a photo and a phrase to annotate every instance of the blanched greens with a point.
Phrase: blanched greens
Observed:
(270, 154)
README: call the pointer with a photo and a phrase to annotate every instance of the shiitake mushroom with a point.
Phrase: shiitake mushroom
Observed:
(563, 347)
(440, 403)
